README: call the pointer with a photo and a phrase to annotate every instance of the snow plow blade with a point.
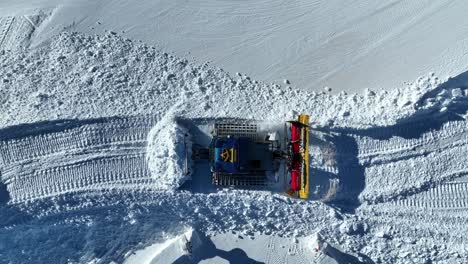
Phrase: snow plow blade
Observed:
(299, 157)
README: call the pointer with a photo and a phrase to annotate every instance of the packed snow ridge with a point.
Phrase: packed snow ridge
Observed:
(169, 153)
(78, 76)
(88, 143)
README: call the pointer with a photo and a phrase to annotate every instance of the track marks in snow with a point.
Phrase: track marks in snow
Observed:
(86, 136)
(418, 231)
(393, 162)
(369, 147)
(99, 154)
(5, 25)
(450, 195)
(396, 167)
(17, 34)
(93, 174)
(296, 253)
(272, 258)
(16, 31)
(405, 177)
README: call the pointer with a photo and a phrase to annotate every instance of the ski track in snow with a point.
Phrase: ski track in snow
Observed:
(16, 31)
(74, 137)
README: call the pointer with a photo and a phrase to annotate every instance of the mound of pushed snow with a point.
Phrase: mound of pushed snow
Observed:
(75, 76)
(168, 153)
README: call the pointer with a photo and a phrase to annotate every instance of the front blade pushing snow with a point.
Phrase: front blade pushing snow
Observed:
(299, 157)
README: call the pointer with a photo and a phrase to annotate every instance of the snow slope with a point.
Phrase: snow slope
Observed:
(82, 116)
(345, 46)
(111, 76)
(78, 112)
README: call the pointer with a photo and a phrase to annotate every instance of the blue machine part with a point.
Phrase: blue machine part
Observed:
(231, 154)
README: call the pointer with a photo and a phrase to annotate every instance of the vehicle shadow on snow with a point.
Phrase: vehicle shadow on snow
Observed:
(351, 173)
(52, 126)
(4, 194)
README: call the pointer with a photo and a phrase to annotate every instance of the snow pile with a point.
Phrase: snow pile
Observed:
(169, 153)
(78, 76)
(366, 44)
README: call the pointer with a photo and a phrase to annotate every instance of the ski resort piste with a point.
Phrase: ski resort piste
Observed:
(113, 150)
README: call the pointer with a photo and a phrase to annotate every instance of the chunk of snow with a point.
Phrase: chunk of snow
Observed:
(369, 93)
(457, 92)
(168, 153)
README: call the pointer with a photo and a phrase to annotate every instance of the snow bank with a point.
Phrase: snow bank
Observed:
(169, 153)
(79, 76)
(366, 44)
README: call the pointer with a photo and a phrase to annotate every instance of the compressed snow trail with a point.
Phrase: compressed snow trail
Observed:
(450, 195)
(414, 192)
(74, 145)
(98, 157)
(59, 157)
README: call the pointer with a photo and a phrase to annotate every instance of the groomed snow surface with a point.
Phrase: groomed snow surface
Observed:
(86, 120)
(314, 44)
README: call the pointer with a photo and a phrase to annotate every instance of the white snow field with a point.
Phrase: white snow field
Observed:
(314, 44)
(90, 171)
